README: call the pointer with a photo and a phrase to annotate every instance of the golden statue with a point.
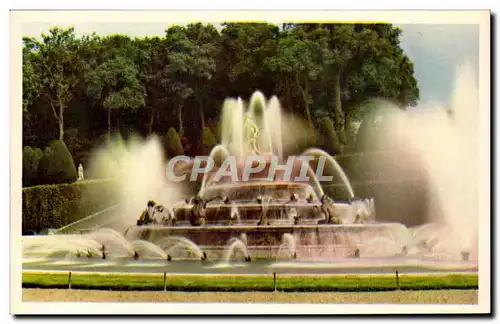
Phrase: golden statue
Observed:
(251, 133)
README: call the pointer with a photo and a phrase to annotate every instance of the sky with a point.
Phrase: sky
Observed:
(435, 49)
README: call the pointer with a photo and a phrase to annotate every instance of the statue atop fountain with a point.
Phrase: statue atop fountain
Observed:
(251, 133)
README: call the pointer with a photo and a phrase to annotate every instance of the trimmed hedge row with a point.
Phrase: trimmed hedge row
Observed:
(54, 206)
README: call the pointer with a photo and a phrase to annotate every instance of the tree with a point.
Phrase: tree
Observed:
(301, 58)
(116, 83)
(361, 62)
(203, 61)
(32, 83)
(346, 45)
(368, 62)
(243, 50)
(178, 69)
(156, 84)
(55, 62)
(136, 85)
(389, 75)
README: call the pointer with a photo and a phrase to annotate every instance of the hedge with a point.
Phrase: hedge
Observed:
(54, 206)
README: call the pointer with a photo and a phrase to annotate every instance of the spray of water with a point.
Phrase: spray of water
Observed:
(112, 241)
(145, 248)
(445, 139)
(268, 121)
(138, 167)
(177, 244)
(234, 245)
(287, 244)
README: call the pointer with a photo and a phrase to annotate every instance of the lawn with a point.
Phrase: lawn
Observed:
(289, 283)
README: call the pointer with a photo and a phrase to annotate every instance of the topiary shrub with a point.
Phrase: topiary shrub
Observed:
(27, 165)
(174, 145)
(217, 130)
(57, 165)
(31, 159)
(37, 153)
(330, 140)
(209, 141)
(44, 164)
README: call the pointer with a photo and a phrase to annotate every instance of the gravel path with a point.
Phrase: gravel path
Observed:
(422, 297)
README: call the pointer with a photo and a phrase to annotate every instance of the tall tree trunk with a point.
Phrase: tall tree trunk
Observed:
(181, 124)
(61, 130)
(109, 123)
(60, 120)
(348, 139)
(58, 117)
(305, 96)
(200, 105)
(289, 99)
(151, 121)
(339, 114)
(117, 122)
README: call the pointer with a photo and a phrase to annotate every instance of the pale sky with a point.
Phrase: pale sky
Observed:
(436, 50)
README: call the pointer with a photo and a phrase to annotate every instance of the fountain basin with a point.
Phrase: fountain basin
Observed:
(264, 242)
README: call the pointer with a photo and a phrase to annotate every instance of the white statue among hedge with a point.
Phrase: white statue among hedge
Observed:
(80, 172)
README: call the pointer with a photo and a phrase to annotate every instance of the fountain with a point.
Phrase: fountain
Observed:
(267, 209)
(262, 217)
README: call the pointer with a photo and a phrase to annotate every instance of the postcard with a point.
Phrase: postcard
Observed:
(250, 162)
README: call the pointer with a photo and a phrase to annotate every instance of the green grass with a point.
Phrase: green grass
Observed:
(251, 282)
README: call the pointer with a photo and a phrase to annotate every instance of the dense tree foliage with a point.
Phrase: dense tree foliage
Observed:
(80, 89)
